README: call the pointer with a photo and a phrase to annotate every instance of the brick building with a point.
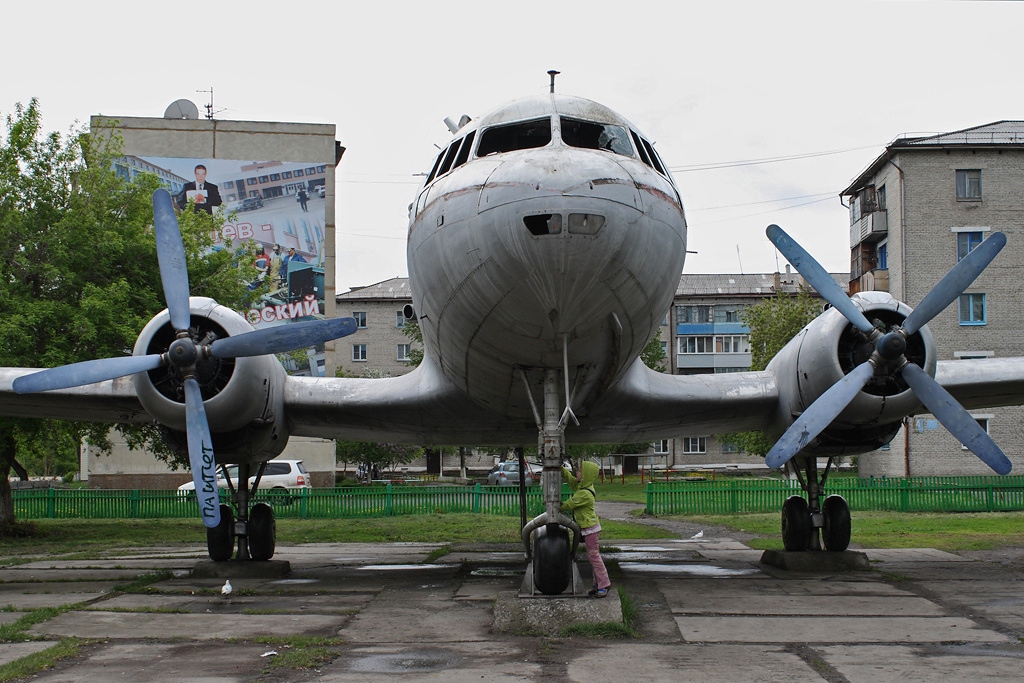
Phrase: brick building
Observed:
(922, 205)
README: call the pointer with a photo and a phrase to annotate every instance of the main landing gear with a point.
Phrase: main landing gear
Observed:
(809, 524)
(255, 528)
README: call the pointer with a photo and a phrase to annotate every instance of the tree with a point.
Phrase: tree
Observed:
(412, 330)
(653, 354)
(386, 456)
(79, 278)
(772, 322)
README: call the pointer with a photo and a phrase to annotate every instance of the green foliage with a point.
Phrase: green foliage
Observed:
(412, 331)
(653, 354)
(385, 456)
(772, 322)
(80, 278)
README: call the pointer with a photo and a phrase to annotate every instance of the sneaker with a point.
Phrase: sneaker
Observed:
(602, 592)
(593, 590)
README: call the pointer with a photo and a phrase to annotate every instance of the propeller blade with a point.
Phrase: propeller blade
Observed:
(283, 338)
(170, 252)
(818, 277)
(953, 417)
(200, 454)
(86, 372)
(819, 415)
(958, 279)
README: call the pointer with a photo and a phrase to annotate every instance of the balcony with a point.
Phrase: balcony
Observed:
(876, 280)
(870, 228)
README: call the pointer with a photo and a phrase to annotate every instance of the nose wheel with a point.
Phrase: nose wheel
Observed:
(552, 559)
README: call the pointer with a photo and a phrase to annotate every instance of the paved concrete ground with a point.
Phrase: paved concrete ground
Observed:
(707, 611)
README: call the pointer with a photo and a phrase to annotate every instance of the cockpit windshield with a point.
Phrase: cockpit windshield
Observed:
(590, 135)
(515, 136)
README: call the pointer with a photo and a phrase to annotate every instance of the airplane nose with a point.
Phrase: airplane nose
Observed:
(588, 174)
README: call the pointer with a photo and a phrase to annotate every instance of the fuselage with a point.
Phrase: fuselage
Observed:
(548, 235)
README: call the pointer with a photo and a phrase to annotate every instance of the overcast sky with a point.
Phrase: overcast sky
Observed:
(712, 83)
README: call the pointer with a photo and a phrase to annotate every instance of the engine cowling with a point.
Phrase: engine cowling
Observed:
(242, 397)
(826, 350)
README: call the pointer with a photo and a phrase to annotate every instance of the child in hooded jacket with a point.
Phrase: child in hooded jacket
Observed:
(581, 505)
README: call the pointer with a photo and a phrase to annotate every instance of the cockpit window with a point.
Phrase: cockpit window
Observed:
(514, 136)
(590, 135)
(464, 150)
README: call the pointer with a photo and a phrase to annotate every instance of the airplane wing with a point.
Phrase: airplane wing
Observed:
(110, 401)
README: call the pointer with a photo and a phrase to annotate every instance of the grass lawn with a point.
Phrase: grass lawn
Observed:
(943, 531)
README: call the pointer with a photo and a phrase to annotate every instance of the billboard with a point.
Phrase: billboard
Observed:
(278, 206)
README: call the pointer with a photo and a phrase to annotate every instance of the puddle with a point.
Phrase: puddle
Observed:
(292, 582)
(691, 569)
(429, 660)
(497, 572)
(645, 549)
(377, 567)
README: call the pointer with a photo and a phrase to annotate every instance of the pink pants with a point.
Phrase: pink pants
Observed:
(596, 563)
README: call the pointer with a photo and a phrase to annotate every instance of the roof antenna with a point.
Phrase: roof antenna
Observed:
(553, 73)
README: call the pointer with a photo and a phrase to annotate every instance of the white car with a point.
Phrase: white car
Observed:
(278, 476)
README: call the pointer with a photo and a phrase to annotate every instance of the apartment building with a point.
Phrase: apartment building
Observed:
(922, 205)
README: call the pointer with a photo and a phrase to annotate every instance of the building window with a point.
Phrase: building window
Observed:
(661, 447)
(695, 444)
(229, 184)
(403, 352)
(694, 314)
(730, 447)
(882, 255)
(399, 319)
(275, 176)
(360, 317)
(696, 344)
(664, 348)
(264, 179)
(310, 171)
(966, 242)
(286, 174)
(251, 181)
(732, 343)
(359, 352)
(968, 185)
(664, 321)
(972, 309)
(983, 421)
(728, 315)
(298, 173)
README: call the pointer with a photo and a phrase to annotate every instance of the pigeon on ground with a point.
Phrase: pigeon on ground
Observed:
(226, 589)
(699, 534)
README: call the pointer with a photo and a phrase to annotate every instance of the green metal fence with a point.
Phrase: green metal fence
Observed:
(913, 494)
(361, 501)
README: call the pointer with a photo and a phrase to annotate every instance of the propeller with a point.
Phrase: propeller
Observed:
(888, 355)
(184, 353)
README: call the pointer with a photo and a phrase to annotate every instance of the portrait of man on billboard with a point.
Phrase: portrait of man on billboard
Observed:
(205, 195)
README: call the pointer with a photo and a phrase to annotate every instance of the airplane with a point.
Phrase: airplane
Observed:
(543, 250)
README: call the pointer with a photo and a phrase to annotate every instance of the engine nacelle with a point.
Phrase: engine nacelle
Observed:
(243, 397)
(826, 350)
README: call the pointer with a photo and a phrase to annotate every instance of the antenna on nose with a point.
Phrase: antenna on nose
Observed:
(553, 73)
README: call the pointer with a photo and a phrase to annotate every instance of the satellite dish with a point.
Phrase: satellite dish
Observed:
(182, 109)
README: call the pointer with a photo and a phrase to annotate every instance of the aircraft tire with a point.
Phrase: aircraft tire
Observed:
(835, 535)
(262, 532)
(220, 540)
(552, 567)
(796, 524)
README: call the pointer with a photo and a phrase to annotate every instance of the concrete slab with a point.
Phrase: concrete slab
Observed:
(852, 606)
(250, 604)
(270, 569)
(550, 616)
(30, 601)
(10, 617)
(912, 555)
(716, 589)
(75, 589)
(129, 626)
(616, 662)
(826, 629)
(416, 615)
(161, 663)
(20, 574)
(902, 664)
(10, 652)
(486, 590)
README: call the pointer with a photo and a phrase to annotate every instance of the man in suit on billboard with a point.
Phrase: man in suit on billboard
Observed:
(206, 195)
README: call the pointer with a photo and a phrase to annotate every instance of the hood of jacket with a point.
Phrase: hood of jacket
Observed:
(590, 471)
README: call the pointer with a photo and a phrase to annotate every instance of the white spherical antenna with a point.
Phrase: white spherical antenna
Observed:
(182, 109)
